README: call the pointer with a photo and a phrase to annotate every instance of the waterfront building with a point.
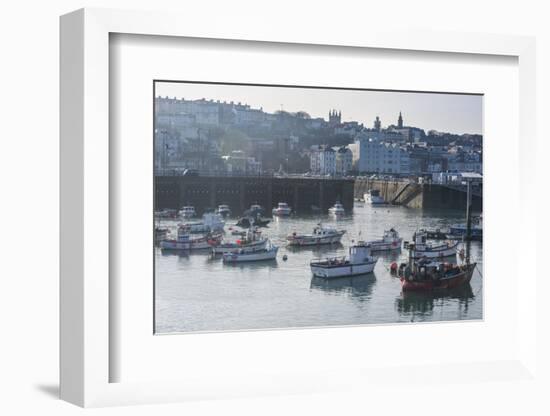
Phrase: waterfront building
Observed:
(238, 163)
(375, 156)
(344, 160)
(323, 160)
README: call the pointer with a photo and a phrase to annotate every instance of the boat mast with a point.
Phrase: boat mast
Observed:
(468, 235)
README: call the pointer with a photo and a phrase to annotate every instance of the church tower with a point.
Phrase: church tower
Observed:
(377, 124)
(400, 121)
(334, 117)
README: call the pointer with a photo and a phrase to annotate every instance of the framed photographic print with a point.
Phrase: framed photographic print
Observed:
(289, 213)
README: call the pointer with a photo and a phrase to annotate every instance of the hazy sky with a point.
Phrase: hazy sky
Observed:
(443, 112)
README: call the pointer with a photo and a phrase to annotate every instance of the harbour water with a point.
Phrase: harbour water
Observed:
(195, 292)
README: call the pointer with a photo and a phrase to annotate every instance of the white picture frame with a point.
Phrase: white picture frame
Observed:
(85, 211)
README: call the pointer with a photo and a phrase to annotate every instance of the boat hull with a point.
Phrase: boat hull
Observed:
(235, 248)
(250, 257)
(302, 241)
(332, 272)
(177, 245)
(441, 284)
(435, 254)
(385, 245)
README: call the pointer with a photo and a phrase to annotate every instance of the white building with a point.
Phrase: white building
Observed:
(375, 156)
(344, 160)
(323, 160)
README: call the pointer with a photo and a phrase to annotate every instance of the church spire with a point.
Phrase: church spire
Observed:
(400, 121)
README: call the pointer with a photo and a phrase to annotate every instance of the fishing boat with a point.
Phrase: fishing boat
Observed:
(426, 275)
(424, 248)
(282, 209)
(372, 196)
(266, 253)
(430, 275)
(184, 241)
(223, 210)
(187, 211)
(337, 209)
(389, 241)
(210, 223)
(358, 262)
(320, 235)
(251, 241)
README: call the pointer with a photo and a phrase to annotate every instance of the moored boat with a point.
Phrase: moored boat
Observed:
(458, 231)
(268, 252)
(210, 223)
(425, 275)
(282, 209)
(389, 241)
(428, 275)
(423, 248)
(372, 196)
(246, 222)
(320, 235)
(187, 211)
(358, 262)
(337, 209)
(252, 240)
(254, 211)
(184, 241)
(223, 210)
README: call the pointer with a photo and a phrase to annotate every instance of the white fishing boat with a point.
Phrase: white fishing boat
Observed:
(185, 242)
(267, 253)
(359, 261)
(211, 222)
(373, 197)
(187, 211)
(423, 248)
(223, 210)
(321, 235)
(337, 209)
(282, 209)
(252, 241)
(389, 241)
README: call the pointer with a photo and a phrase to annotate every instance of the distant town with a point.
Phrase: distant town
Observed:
(208, 137)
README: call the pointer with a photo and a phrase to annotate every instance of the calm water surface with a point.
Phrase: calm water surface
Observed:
(195, 292)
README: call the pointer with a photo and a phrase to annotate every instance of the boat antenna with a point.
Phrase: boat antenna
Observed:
(468, 235)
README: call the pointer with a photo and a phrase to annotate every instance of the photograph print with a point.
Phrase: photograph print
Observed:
(281, 207)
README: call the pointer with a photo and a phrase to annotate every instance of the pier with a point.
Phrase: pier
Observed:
(420, 195)
(239, 192)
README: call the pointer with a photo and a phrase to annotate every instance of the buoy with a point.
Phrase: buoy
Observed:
(285, 257)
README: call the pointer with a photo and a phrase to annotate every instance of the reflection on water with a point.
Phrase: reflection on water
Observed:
(197, 292)
(420, 303)
(359, 287)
